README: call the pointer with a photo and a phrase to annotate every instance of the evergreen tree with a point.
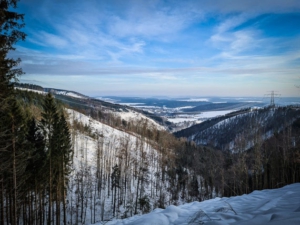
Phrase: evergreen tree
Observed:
(49, 122)
(63, 157)
(59, 155)
(35, 171)
(10, 25)
(16, 162)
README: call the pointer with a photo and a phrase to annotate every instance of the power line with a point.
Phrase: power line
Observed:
(273, 95)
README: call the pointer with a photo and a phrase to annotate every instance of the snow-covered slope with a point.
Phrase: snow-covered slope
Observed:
(32, 90)
(98, 148)
(226, 132)
(70, 94)
(136, 117)
(276, 207)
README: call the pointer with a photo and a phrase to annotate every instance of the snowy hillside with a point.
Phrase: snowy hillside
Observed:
(115, 174)
(41, 90)
(241, 130)
(69, 93)
(123, 166)
(32, 90)
(276, 207)
(136, 117)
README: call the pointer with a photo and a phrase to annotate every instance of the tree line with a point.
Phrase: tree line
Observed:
(35, 159)
(47, 175)
(35, 155)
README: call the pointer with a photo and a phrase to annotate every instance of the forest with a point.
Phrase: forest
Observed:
(64, 164)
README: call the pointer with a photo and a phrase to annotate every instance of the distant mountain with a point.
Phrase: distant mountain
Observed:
(92, 106)
(241, 129)
(219, 106)
(29, 86)
(73, 94)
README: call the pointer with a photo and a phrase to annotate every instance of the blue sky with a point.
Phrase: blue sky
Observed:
(169, 48)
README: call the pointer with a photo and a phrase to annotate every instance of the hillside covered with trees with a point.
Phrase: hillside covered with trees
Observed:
(65, 162)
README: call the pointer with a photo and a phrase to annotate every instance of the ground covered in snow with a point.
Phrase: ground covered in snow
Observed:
(135, 117)
(277, 206)
(198, 117)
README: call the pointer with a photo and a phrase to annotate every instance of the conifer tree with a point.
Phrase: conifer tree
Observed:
(59, 155)
(16, 121)
(35, 170)
(10, 25)
(49, 122)
(63, 157)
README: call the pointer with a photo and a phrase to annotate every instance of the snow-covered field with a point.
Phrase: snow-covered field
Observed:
(198, 117)
(276, 207)
(196, 100)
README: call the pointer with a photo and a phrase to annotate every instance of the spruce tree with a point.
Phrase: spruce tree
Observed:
(10, 33)
(10, 25)
(58, 149)
(49, 122)
(63, 157)
(37, 154)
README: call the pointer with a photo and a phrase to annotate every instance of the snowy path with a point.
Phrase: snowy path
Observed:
(276, 207)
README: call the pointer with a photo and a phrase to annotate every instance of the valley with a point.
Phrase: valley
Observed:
(149, 112)
(126, 161)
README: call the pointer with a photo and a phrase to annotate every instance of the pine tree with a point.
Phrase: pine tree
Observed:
(16, 133)
(63, 158)
(59, 155)
(10, 25)
(49, 122)
(35, 170)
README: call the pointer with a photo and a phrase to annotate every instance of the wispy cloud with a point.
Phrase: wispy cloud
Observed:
(223, 43)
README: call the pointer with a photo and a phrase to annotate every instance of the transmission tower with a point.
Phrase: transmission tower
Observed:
(273, 95)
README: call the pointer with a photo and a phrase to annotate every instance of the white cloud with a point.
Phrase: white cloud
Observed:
(153, 39)
(251, 6)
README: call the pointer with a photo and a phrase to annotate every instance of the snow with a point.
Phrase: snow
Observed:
(131, 103)
(71, 94)
(113, 142)
(184, 107)
(74, 95)
(196, 100)
(277, 206)
(32, 90)
(211, 114)
(183, 119)
(198, 117)
(136, 117)
(106, 99)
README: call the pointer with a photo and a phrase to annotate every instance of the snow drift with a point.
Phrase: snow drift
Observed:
(276, 206)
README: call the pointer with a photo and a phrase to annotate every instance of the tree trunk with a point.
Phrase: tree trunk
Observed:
(14, 221)
(50, 190)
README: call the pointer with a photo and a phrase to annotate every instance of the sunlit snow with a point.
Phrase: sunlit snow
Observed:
(198, 117)
(32, 90)
(196, 100)
(277, 206)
